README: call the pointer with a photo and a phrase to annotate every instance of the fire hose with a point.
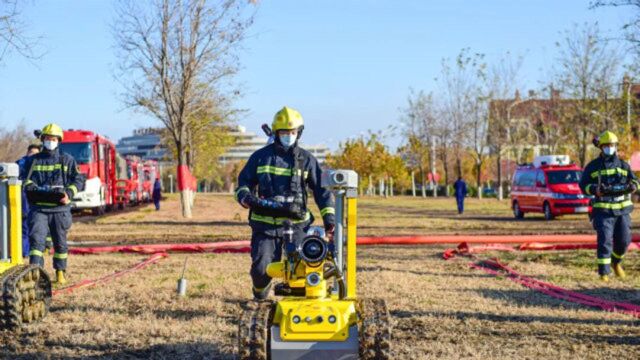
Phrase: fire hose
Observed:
(496, 268)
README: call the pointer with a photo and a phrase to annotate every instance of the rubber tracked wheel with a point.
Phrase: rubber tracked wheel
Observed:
(374, 329)
(26, 296)
(254, 330)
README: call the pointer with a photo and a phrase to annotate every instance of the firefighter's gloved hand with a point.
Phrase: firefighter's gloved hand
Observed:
(69, 194)
(31, 187)
(248, 200)
(633, 188)
(330, 230)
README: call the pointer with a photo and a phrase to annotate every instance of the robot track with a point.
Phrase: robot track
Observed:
(254, 329)
(26, 296)
(375, 329)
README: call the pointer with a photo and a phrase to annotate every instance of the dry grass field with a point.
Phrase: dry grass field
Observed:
(440, 309)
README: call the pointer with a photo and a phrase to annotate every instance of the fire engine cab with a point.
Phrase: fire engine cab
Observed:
(549, 186)
(95, 156)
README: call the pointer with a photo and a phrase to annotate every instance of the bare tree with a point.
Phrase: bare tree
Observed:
(14, 143)
(464, 107)
(175, 58)
(13, 32)
(503, 83)
(419, 128)
(589, 69)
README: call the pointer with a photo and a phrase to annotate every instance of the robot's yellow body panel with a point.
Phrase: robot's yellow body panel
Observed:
(14, 231)
(25, 290)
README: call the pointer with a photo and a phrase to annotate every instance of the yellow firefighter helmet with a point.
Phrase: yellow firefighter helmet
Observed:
(287, 119)
(52, 130)
(607, 137)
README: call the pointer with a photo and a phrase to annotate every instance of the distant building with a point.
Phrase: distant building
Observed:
(246, 143)
(145, 143)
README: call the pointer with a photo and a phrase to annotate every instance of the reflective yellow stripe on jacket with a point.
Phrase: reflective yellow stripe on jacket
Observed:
(608, 172)
(267, 169)
(327, 210)
(49, 168)
(612, 206)
(277, 220)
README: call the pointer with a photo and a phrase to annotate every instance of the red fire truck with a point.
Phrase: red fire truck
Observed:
(135, 183)
(96, 158)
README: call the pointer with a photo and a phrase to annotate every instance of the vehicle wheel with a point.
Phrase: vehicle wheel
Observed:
(548, 215)
(516, 211)
(97, 211)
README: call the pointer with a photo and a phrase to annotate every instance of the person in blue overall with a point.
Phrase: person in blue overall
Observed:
(273, 185)
(612, 182)
(460, 188)
(31, 150)
(157, 193)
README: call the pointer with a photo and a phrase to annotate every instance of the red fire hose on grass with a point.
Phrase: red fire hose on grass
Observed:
(496, 268)
(489, 243)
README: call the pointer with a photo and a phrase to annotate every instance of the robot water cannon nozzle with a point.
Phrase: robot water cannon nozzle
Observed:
(9, 170)
(339, 179)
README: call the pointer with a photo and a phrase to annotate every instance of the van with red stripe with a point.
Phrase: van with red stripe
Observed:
(549, 186)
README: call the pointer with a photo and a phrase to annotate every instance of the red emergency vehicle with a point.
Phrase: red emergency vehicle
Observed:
(135, 181)
(550, 186)
(95, 156)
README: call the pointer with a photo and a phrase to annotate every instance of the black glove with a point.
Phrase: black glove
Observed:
(248, 200)
(30, 187)
(330, 230)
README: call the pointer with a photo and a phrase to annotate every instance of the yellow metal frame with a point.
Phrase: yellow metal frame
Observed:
(352, 204)
(318, 302)
(15, 225)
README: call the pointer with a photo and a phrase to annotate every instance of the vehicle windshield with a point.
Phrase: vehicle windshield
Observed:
(80, 151)
(564, 176)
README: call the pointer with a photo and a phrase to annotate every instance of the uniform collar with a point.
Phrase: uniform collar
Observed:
(54, 152)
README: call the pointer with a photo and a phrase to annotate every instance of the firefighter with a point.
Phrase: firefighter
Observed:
(612, 182)
(273, 186)
(32, 149)
(460, 188)
(51, 180)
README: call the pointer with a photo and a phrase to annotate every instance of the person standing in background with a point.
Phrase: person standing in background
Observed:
(157, 193)
(460, 188)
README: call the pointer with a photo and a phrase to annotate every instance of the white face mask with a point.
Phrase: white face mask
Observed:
(609, 150)
(288, 140)
(50, 144)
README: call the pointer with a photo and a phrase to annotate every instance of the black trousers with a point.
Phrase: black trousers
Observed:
(614, 237)
(41, 224)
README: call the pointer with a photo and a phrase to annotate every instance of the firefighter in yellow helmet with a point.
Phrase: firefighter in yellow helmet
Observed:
(51, 180)
(273, 184)
(612, 182)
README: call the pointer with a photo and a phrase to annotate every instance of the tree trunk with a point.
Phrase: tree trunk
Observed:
(446, 171)
(423, 182)
(500, 189)
(413, 184)
(479, 178)
(185, 194)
